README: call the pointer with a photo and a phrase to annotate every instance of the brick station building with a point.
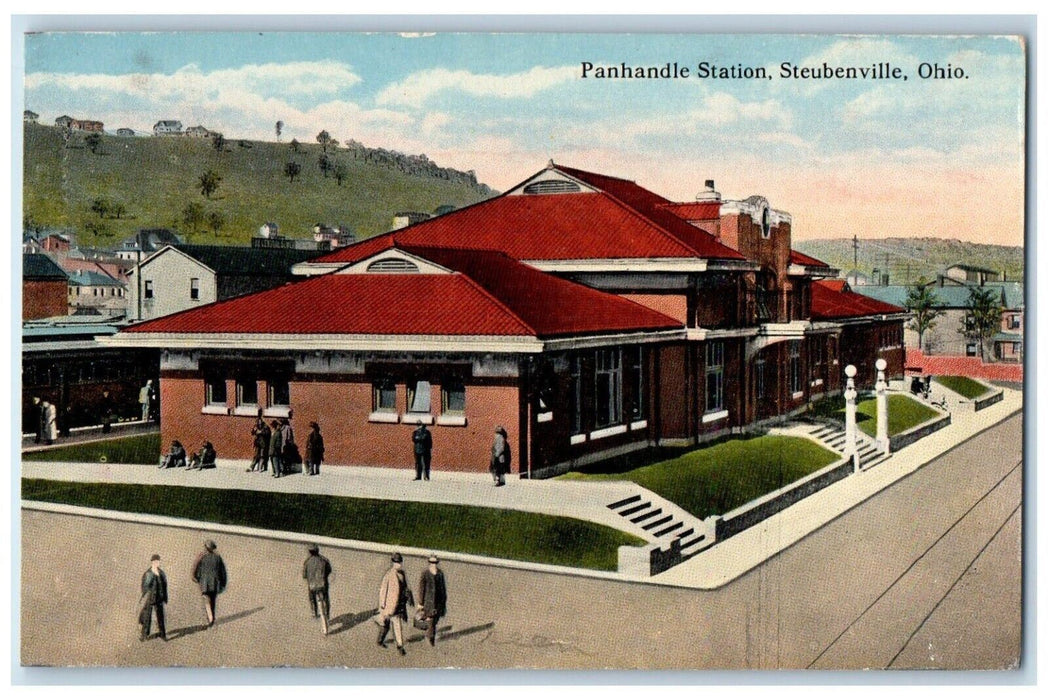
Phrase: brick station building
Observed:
(586, 314)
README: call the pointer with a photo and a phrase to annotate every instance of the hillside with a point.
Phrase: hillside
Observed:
(155, 179)
(906, 259)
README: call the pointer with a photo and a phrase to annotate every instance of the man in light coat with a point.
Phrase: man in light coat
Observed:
(210, 572)
(50, 413)
(145, 397)
(394, 596)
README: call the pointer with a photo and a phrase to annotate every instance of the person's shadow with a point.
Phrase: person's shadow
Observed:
(348, 621)
(444, 634)
(193, 629)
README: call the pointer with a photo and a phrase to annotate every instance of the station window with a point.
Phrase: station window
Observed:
(576, 395)
(795, 366)
(419, 396)
(279, 392)
(385, 395)
(215, 390)
(453, 396)
(247, 391)
(609, 386)
(714, 376)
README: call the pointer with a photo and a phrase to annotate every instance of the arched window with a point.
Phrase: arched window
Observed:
(552, 187)
(393, 265)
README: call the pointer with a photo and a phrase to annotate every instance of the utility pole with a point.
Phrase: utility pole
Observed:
(855, 257)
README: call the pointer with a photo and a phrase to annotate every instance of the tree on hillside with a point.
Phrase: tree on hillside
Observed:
(208, 183)
(340, 173)
(93, 141)
(324, 139)
(216, 221)
(101, 207)
(922, 302)
(291, 170)
(325, 164)
(193, 216)
(118, 210)
(983, 319)
(294, 145)
(218, 142)
(97, 228)
(280, 129)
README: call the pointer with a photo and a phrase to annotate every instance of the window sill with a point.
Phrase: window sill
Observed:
(417, 419)
(456, 421)
(638, 425)
(607, 432)
(246, 410)
(545, 417)
(817, 382)
(578, 439)
(383, 417)
(215, 410)
(798, 394)
(714, 416)
(277, 412)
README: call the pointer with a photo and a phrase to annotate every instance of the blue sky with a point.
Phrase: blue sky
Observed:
(872, 158)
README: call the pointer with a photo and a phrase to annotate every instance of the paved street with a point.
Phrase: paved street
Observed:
(926, 574)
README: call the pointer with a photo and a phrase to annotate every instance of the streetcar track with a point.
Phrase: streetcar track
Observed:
(954, 584)
(914, 563)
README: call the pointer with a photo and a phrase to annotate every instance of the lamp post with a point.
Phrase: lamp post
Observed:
(881, 443)
(849, 416)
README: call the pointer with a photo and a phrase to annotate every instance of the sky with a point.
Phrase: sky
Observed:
(872, 158)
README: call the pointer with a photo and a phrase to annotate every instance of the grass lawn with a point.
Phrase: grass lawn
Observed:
(137, 449)
(717, 479)
(968, 388)
(903, 413)
(507, 534)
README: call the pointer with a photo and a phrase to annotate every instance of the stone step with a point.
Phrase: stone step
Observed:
(692, 546)
(655, 523)
(624, 502)
(646, 515)
(671, 528)
(635, 509)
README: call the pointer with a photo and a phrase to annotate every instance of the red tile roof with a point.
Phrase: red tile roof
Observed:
(623, 221)
(798, 258)
(831, 299)
(695, 211)
(489, 294)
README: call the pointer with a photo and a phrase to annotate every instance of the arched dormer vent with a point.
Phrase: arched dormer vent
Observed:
(552, 187)
(398, 265)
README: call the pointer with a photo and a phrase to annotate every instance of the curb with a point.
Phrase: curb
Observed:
(355, 545)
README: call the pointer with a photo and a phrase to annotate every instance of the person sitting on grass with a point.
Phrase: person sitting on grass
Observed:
(175, 457)
(204, 458)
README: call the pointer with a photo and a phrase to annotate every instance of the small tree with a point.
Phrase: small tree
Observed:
(291, 170)
(984, 316)
(324, 138)
(101, 207)
(208, 183)
(118, 210)
(216, 221)
(97, 228)
(93, 141)
(294, 145)
(340, 173)
(325, 164)
(193, 216)
(218, 142)
(279, 129)
(922, 302)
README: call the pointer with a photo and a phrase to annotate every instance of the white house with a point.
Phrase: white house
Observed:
(167, 127)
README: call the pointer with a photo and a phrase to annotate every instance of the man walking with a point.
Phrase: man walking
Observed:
(394, 596)
(154, 597)
(432, 597)
(316, 571)
(500, 456)
(260, 433)
(314, 450)
(210, 572)
(423, 442)
(145, 395)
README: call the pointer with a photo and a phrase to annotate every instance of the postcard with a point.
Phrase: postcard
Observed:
(522, 351)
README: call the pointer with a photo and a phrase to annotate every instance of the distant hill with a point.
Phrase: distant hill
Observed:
(155, 179)
(906, 259)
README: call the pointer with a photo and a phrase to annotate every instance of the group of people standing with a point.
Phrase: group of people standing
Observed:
(394, 597)
(46, 421)
(275, 447)
(209, 572)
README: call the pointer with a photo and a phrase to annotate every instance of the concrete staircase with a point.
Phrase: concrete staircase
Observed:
(833, 437)
(661, 520)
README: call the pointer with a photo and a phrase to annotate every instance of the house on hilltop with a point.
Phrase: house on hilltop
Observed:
(167, 127)
(30, 117)
(199, 132)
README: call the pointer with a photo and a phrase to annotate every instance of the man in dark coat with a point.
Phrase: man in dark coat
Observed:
(423, 445)
(433, 597)
(501, 459)
(316, 571)
(210, 572)
(276, 448)
(261, 435)
(38, 417)
(154, 597)
(314, 450)
(108, 409)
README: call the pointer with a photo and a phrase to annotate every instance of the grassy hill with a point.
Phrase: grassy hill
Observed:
(154, 179)
(909, 258)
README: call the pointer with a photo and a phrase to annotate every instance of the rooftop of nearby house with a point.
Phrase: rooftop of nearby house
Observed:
(834, 300)
(38, 267)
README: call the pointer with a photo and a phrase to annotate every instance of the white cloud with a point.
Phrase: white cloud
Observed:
(418, 87)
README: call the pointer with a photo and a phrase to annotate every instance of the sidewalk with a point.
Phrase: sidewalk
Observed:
(584, 500)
